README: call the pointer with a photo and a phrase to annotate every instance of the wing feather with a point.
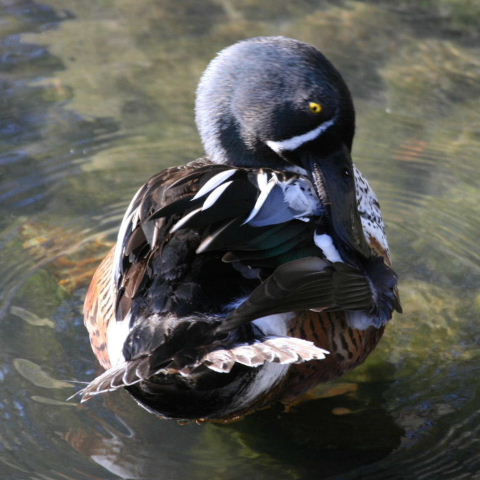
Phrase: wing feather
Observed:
(306, 283)
(262, 220)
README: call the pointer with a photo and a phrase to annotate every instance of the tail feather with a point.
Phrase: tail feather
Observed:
(282, 350)
(272, 349)
(119, 376)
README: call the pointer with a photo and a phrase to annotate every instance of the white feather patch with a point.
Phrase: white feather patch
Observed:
(359, 320)
(325, 243)
(116, 336)
(276, 324)
(262, 180)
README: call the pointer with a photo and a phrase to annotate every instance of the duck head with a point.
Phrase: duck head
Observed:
(275, 102)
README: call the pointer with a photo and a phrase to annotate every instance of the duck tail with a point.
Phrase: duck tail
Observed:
(271, 349)
(119, 376)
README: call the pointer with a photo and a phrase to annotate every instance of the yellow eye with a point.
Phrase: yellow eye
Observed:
(315, 107)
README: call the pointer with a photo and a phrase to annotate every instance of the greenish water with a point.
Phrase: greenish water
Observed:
(97, 96)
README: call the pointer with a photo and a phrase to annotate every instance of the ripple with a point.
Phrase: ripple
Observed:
(453, 457)
(94, 105)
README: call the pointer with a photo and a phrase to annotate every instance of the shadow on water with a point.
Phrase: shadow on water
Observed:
(97, 96)
(319, 438)
(325, 437)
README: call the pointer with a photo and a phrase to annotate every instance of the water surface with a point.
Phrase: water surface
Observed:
(98, 96)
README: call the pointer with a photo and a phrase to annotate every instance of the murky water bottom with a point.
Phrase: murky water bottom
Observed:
(97, 96)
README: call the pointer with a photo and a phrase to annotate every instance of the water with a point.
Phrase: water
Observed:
(97, 96)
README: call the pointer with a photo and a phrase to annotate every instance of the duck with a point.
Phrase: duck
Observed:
(250, 275)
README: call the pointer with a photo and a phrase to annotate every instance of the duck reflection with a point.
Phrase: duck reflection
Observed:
(130, 443)
(342, 429)
(329, 435)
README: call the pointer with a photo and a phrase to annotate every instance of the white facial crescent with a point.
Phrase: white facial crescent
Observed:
(293, 143)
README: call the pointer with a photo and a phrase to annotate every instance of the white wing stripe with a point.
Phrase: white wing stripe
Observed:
(209, 201)
(184, 220)
(215, 195)
(214, 182)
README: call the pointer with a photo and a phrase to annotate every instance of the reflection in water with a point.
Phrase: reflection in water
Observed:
(97, 96)
(111, 443)
(324, 437)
